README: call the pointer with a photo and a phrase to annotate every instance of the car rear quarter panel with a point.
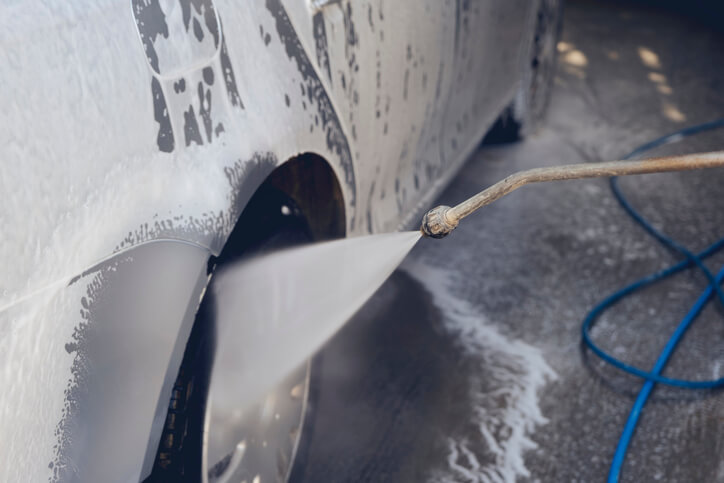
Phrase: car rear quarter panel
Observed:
(88, 171)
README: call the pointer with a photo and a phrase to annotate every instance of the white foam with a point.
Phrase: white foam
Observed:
(503, 401)
(80, 165)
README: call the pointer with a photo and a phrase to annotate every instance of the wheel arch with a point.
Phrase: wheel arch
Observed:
(307, 186)
(310, 180)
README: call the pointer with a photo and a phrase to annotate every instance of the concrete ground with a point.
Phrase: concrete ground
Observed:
(467, 364)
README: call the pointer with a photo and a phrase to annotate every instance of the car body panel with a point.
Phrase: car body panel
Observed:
(110, 368)
(109, 156)
(389, 69)
(486, 69)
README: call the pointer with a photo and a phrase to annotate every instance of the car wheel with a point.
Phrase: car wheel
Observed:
(272, 429)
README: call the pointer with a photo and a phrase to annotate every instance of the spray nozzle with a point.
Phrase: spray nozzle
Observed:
(436, 223)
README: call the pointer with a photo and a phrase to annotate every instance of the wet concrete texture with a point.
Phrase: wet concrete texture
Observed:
(394, 395)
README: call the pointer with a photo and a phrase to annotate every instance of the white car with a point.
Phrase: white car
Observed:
(147, 142)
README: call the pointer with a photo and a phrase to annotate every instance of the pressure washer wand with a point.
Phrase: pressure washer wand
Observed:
(440, 221)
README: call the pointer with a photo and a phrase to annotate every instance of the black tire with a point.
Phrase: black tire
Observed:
(525, 114)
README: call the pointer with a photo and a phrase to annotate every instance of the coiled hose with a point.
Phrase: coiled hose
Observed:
(691, 260)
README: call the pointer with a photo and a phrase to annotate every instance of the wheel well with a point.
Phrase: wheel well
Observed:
(298, 202)
(302, 191)
(310, 181)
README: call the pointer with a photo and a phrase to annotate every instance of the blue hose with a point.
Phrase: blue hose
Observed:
(714, 287)
(648, 386)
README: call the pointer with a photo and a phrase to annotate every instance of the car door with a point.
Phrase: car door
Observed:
(489, 38)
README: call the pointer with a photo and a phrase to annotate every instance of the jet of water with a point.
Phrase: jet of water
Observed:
(275, 311)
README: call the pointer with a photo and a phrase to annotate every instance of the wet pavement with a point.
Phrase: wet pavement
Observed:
(467, 364)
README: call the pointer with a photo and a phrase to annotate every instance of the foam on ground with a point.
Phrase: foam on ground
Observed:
(502, 396)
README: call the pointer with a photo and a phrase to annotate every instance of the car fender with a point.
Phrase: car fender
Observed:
(100, 184)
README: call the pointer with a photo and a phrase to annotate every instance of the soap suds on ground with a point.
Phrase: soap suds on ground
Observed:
(503, 407)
